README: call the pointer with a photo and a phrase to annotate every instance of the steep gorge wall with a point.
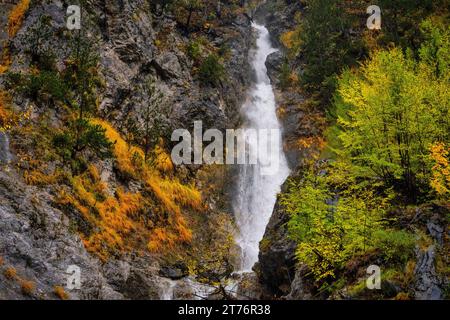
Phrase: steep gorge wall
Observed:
(36, 238)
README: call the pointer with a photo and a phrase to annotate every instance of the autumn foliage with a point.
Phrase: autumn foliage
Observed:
(440, 180)
(5, 60)
(4, 114)
(27, 287)
(16, 17)
(126, 220)
(60, 293)
(10, 273)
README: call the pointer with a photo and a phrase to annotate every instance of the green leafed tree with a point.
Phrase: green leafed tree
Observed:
(391, 111)
(81, 135)
(325, 45)
(336, 218)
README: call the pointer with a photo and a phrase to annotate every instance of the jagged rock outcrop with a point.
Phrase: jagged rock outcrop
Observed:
(36, 242)
(274, 64)
(5, 154)
(279, 17)
(427, 285)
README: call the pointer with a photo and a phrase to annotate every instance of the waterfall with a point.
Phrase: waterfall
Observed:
(5, 154)
(166, 290)
(257, 193)
(171, 289)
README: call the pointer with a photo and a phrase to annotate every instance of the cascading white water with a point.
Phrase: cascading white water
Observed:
(166, 290)
(257, 193)
(192, 288)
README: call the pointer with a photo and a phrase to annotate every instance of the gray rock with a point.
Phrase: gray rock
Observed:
(5, 154)
(300, 290)
(274, 64)
(279, 17)
(34, 239)
(175, 272)
(276, 268)
(427, 286)
(140, 287)
(167, 65)
(436, 231)
(248, 287)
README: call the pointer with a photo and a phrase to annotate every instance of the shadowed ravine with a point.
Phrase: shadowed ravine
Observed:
(256, 193)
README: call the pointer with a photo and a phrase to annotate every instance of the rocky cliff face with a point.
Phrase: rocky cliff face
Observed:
(134, 43)
(37, 241)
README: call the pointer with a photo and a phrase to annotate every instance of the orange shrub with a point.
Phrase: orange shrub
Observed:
(27, 287)
(128, 157)
(163, 162)
(5, 118)
(111, 216)
(10, 273)
(37, 178)
(60, 293)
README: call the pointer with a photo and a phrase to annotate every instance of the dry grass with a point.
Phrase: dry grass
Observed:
(112, 216)
(171, 195)
(16, 17)
(5, 60)
(163, 163)
(129, 158)
(37, 178)
(5, 118)
(402, 296)
(120, 221)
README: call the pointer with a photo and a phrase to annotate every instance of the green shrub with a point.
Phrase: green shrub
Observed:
(395, 245)
(331, 228)
(80, 136)
(211, 71)
(194, 50)
(13, 80)
(285, 76)
(46, 85)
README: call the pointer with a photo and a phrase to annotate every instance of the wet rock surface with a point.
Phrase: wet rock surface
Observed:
(274, 63)
(276, 267)
(429, 283)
